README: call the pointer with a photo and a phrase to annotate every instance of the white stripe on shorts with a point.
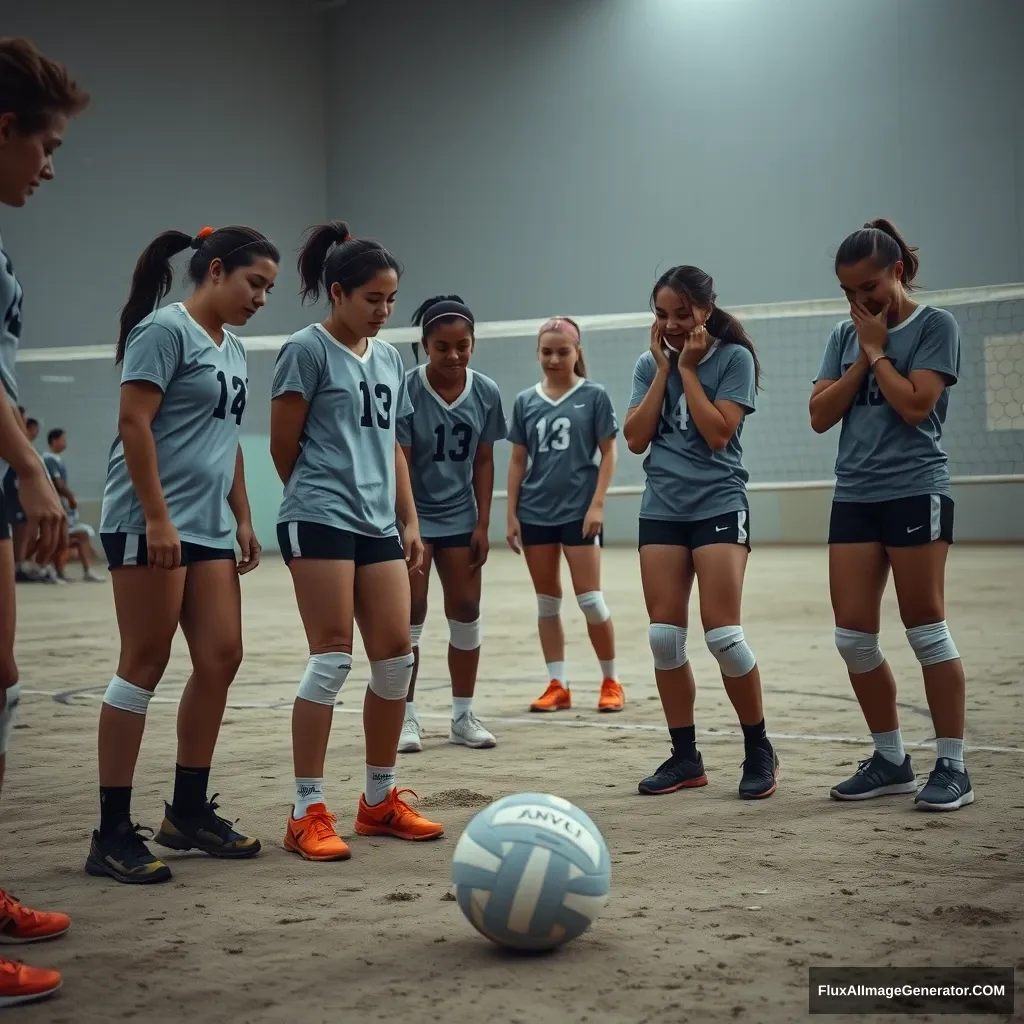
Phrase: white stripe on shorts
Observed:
(936, 516)
(741, 527)
(293, 540)
(131, 549)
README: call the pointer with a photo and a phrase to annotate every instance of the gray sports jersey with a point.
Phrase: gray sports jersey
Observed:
(443, 440)
(10, 324)
(686, 479)
(345, 473)
(561, 438)
(880, 457)
(196, 428)
(10, 333)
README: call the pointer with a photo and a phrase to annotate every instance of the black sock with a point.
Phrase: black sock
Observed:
(754, 735)
(684, 741)
(115, 808)
(190, 789)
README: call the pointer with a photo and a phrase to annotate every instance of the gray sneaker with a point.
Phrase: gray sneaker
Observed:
(877, 776)
(947, 789)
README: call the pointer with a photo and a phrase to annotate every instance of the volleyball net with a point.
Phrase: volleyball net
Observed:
(76, 388)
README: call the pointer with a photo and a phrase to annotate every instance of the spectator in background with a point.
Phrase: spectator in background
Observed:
(79, 534)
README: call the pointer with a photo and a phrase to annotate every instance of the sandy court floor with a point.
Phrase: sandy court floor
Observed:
(718, 906)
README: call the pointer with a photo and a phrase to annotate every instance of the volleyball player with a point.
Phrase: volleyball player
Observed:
(692, 391)
(338, 392)
(37, 100)
(449, 442)
(886, 375)
(557, 485)
(174, 495)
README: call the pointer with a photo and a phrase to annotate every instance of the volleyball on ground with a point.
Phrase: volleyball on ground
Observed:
(531, 872)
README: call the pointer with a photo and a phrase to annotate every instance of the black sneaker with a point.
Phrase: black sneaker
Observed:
(877, 776)
(205, 831)
(947, 789)
(760, 770)
(676, 773)
(124, 856)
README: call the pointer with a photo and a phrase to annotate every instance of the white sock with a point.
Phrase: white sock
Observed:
(379, 782)
(460, 705)
(952, 750)
(556, 670)
(890, 745)
(410, 710)
(608, 670)
(307, 793)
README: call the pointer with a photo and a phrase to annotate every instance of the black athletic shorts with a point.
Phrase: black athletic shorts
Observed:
(899, 523)
(569, 535)
(124, 550)
(9, 492)
(314, 540)
(728, 528)
(453, 540)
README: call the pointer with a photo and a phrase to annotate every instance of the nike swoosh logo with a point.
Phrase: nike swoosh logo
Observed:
(719, 529)
(911, 529)
(583, 406)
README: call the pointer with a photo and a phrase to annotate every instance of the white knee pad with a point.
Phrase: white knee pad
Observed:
(464, 636)
(390, 679)
(548, 607)
(324, 676)
(932, 643)
(730, 650)
(595, 611)
(668, 645)
(8, 714)
(860, 651)
(416, 632)
(127, 696)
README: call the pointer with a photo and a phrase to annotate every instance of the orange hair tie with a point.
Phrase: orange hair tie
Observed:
(205, 232)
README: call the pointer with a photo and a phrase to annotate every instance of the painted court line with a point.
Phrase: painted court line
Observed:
(555, 721)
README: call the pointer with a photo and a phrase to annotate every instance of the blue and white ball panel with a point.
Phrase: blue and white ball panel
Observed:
(531, 871)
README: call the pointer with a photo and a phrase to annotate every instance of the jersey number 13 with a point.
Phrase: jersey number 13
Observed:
(553, 436)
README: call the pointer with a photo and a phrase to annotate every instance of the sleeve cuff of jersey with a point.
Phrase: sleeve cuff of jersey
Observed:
(740, 400)
(946, 371)
(290, 389)
(149, 378)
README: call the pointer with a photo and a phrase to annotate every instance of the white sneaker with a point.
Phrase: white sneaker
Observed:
(411, 741)
(92, 576)
(466, 731)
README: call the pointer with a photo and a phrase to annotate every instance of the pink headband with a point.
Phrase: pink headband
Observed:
(560, 325)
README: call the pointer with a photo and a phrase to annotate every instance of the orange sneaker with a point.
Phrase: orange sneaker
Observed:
(19, 924)
(21, 984)
(612, 698)
(394, 817)
(313, 836)
(555, 698)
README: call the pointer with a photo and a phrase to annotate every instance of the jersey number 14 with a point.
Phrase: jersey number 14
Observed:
(674, 419)
(237, 404)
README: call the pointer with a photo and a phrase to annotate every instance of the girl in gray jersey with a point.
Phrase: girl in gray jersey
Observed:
(886, 375)
(347, 529)
(691, 394)
(37, 99)
(449, 442)
(173, 504)
(563, 459)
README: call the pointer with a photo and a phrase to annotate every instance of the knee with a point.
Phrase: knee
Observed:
(464, 631)
(548, 606)
(220, 664)
(729, 647)
(860, 651)
(932, 643)
(145, 663)
(668, 645)
(593, 606)
(126, 696)
(390, 677)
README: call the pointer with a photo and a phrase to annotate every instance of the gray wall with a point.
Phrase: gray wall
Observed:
(551, 155)
(203, 112)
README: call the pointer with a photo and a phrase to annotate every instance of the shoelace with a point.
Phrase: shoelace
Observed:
(401, 804)
(943, 777)
(134, 839)
(9, 904)
(11, 966)
(322, 825)
(223, 824)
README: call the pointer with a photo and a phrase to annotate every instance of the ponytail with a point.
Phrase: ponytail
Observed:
(728, 330)
(880, 241)
(151, 282)
(330, 256)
